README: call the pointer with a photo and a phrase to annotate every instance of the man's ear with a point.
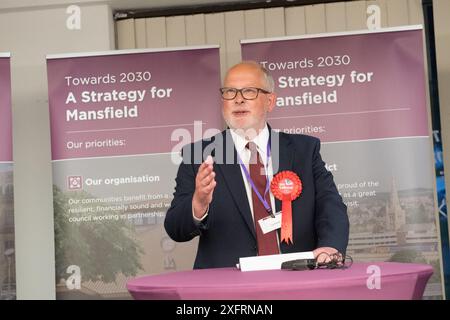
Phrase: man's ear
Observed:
(271, 101)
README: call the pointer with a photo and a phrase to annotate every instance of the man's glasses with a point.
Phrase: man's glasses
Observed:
(249, 93)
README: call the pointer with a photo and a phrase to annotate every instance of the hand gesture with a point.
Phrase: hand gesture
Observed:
(204, 188)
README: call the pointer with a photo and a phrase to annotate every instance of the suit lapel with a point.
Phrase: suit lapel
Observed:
(231, 173)
(282, 156)
(285, 157)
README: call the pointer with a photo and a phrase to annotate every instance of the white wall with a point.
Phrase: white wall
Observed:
(228, 28)
(441, 10)
(29, 34)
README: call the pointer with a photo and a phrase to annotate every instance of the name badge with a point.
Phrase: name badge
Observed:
(268, 223)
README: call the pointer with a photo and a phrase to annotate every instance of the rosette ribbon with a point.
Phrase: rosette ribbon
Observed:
(286, 186)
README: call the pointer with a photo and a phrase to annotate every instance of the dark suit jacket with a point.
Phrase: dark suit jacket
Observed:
(319, 217)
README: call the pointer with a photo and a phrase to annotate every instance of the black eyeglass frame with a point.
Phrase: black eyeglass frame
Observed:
(222, 90)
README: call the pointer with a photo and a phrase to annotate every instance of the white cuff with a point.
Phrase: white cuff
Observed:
(197, 220)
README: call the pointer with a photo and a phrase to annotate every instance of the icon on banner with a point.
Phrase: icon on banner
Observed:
(75, 182)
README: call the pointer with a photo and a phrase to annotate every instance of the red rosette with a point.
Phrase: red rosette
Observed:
(286, 186)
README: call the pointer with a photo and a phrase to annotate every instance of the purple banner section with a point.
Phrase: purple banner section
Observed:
(7, 237)
(364, 96)
(345, 88)
(5, 110)
(109, 210)
(128, 104)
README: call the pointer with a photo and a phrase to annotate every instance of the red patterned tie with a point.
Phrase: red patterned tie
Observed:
(267, 243)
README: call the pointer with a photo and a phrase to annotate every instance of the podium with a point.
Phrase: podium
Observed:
(362, 281)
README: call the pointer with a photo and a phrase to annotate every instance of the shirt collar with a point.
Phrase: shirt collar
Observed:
(260, 140)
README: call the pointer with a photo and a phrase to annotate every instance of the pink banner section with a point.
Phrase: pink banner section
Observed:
(5, 110)
(132, 103)
(347, 87)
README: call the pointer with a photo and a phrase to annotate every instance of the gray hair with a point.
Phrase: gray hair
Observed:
(270, 83)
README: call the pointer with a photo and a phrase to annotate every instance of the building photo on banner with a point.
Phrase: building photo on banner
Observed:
(118, 122)
(364, 95)
(7, 247)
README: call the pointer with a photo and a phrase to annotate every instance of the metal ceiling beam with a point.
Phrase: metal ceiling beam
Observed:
(214, 8)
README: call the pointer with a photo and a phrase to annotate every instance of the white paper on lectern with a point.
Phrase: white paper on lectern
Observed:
(271, 262)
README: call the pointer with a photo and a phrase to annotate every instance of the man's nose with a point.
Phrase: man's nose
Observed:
(239, 99)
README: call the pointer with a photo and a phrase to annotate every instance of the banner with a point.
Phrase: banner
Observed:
(118, 122)
(363, 94)
(7, 246)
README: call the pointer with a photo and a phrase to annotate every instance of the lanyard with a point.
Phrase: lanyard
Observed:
(252, 184)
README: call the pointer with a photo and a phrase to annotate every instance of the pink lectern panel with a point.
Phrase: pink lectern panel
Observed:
(401, 281)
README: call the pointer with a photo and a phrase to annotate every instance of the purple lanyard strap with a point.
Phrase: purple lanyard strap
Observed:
(252, 184)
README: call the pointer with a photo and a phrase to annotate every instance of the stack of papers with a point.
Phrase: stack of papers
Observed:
(272, 262)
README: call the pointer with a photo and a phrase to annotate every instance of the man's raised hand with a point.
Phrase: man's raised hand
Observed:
(204, 188)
